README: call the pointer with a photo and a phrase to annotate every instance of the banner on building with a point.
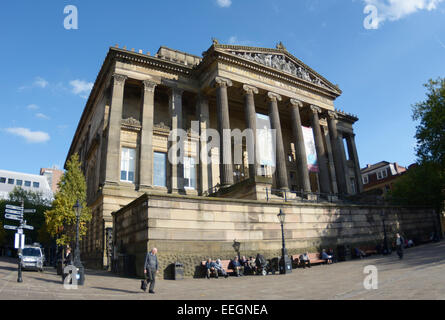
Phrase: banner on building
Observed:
(311, 152)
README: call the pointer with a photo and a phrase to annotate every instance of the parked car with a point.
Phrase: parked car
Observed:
(33, 258)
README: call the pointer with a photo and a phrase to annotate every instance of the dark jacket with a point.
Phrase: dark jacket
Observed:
(151, 262)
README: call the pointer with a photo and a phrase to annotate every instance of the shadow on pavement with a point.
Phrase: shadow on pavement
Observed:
(117, 290)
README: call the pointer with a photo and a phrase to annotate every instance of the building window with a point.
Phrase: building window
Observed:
(10, 181)
(160, 169)
(2, 180)
(384, 173)
(19, 182)
(128, 164)
(189, 173)
(365, 179)
(35, 184)
(27, 183)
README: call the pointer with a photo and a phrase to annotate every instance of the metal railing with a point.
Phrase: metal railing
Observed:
(302, 196)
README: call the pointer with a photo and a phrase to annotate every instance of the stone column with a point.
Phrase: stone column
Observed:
(345, 164)
(325, 185)
(300, 149)
(354, 157)
(205, 174)
(336, 151)
(146, 156)
(249, 109)
(280, 157)
(222, 102)
(177, 160)
(112, 174)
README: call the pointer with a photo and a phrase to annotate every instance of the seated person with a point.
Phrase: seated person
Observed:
(325, 256)
(251, 265)
(359, 253)
(243, 262)
(237, 267)
(210, 268)
(219, 269)
(331, 253)
(410, 243)
(304, 259)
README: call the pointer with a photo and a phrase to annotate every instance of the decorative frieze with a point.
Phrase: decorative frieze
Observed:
(131, 124)
(282, 63)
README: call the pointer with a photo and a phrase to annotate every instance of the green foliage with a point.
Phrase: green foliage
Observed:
(61, 219)
(32, 200)
(421, 185)
(430, 133)
(28, 196)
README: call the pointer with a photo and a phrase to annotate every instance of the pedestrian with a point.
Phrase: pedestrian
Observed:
(68, 257)
(151, 268)
(399, 245)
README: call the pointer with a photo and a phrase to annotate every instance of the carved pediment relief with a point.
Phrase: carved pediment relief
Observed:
(282, 63)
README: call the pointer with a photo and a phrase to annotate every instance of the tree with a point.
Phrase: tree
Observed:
(430, 133)
(18, 194)
(61, 219)
(423, 184)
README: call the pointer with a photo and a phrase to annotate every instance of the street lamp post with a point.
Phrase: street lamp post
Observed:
(385, 239)
(285, 263)
(77, 263)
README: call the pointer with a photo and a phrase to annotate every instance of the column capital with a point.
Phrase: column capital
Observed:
(222, 82)
(332, 115)
(274, 96)
(315, 109)
(149, 85)
(119, 78)
(249, 89)
(296, 103)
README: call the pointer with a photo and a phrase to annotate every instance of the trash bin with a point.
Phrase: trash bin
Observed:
(178, 271)
(344, 252)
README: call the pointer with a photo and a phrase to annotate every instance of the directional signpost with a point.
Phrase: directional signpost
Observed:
(16, 213)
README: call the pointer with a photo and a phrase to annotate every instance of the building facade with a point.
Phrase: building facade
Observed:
(124, 134)
(53, 176)
(30, 182)
(381, 176)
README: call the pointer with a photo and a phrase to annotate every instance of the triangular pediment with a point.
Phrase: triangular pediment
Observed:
(280, 60)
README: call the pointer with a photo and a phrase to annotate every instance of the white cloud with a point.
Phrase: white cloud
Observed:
(42, 116)
(28, 135)
(81, 87)
(40, 82)
(224, 3)
(393, 10)
(32, 107)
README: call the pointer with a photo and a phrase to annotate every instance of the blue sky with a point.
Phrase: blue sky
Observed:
(47, 71)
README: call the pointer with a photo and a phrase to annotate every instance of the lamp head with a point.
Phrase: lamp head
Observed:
(281, 216)
(77, 208)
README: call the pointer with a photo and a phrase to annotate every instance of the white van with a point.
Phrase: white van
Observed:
(33, 258)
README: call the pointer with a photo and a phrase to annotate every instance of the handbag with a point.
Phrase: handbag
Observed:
(144, 285)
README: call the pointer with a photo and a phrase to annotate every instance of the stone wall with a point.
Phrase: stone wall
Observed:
(190, 229)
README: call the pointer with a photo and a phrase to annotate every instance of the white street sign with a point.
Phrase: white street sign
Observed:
(8, 206)
(13, 217)
(28, 227)
(29, 211)
(19, 242)
(13, 212)
(11, 227)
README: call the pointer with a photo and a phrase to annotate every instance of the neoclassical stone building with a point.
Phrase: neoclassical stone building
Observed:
(138, 99)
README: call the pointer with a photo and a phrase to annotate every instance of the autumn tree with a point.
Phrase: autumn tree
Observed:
(61, 219)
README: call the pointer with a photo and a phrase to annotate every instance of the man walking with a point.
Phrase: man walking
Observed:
(151, 268)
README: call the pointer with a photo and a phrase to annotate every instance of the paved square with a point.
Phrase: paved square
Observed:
(420, 275)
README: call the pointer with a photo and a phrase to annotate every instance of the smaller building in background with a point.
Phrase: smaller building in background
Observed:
(381, 176)
(32, 182)
(53, 176)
